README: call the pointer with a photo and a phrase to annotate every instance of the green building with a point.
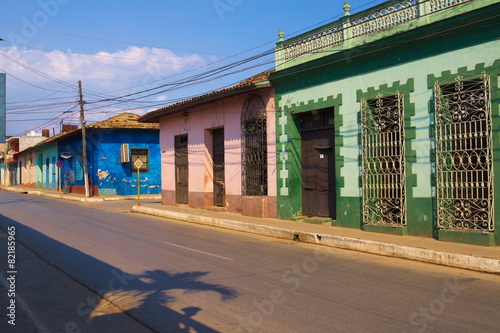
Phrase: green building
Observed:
(388, 120)
(48, 176)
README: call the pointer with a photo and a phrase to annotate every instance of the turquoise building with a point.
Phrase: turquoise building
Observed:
(388, 121)
(47, 174)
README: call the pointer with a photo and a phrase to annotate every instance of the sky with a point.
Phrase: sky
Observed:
(168, 50)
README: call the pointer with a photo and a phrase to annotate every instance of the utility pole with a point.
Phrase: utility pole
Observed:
(84, 143)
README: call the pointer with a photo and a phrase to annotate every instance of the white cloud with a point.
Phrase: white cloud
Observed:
(103, 71)
(161, 98)
(104, 75)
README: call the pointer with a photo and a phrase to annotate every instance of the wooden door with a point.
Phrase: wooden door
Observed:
(218, 160)
(20, 173)
(181, 169)
(53, 168)
(47, 173)
(318, 173)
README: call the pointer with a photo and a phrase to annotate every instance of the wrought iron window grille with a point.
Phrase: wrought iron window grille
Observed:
(254, 147)
(464, 154)
(383, 160)
(139, 154)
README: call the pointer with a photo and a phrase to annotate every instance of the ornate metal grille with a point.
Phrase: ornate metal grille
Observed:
(393, 15)
(383, 164)
(464, 160)
(254, 147)
(437, 5)
(314, 43)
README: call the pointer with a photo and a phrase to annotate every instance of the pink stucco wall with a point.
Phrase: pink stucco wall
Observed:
(28, 169)
(198, 124)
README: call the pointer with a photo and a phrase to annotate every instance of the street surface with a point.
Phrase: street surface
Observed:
(171, 276)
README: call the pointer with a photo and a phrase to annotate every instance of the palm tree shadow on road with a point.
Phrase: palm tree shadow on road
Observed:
(144, 297)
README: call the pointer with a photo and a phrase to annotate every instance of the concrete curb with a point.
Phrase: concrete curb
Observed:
(14, 189)
(79, 199)
(64, 197)
(487, 265)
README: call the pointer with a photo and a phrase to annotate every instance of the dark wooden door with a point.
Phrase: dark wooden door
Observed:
(20, 172)
(181, 169)
(218, 157)
(47, 173)
(54, 173)
(318, 173)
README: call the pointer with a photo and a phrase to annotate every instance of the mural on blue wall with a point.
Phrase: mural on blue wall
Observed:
(106, 170)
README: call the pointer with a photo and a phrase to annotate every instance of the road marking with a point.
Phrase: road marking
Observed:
(203, 252)
(38, 324)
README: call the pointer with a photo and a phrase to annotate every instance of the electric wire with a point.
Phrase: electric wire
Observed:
(197, 79)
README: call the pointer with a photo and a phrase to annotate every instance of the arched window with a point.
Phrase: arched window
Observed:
(254, 147)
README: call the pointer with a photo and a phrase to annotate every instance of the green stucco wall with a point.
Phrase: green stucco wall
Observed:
(493, 70)
(387, 66)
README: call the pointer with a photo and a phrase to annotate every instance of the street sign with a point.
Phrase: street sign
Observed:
(138, 164)
(60, 163)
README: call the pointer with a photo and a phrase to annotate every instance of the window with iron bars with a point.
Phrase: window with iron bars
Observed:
(464, 154)
(383, 160)
(139, 154)
(254, 147)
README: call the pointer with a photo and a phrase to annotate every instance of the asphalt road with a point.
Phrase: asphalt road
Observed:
(176, 277)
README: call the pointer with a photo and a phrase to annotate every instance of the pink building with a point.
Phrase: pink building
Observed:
(27, 168)
(219, 150)
(17, 164)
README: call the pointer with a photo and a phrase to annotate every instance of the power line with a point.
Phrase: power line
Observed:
(138, 44)
(444, 32)
(138, 96)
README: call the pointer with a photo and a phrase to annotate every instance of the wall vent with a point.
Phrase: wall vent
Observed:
(124, 153)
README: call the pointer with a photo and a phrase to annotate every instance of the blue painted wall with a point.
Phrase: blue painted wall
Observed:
(105, 170)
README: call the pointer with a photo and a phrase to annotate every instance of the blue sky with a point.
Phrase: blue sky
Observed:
(120, 47)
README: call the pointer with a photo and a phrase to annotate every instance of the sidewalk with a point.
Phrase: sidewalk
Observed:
(75, 196)
(478, 258)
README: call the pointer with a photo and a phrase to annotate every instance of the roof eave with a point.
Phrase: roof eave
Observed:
(154, 116)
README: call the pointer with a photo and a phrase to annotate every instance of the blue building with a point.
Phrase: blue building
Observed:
(113, 145)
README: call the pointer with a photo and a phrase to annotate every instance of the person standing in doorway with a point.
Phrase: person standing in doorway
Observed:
(66, 179)
(71, 181)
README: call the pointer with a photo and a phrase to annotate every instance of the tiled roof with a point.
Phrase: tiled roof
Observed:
(122, 121)
(55, 137)
(242, 87)
(261, 77)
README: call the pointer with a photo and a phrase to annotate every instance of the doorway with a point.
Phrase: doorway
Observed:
(181, 169)
(53, 167)
(318, 164)
(47, 173)
(20, 173)
(218, 160)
